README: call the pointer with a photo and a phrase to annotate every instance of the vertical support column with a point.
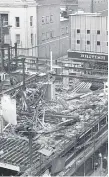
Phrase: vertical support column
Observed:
(16, 52)
(56, 64)
(30, 149)
(1, 123)
(37, 64)
(66, 79)
(51, 61)
(23, 62)
(98, 127)
(106, 119)
(2, 42)
(9, 59)
(92, 6)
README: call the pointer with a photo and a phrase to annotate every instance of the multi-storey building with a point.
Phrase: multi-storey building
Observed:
(21, 16)
(51, 35)
(36, 27)
(89, 39)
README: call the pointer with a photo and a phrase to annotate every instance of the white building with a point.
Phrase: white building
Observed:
(21, 16)
(89, 32)
(89, 39)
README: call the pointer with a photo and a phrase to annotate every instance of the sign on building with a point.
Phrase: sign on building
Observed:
(88, 56)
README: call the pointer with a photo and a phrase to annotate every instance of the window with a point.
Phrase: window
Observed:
(51, 34)
(88, 31)
(107, 32)
(18, 38)
(62, 30)
(47, 19)
(31, 39)
(67, 30)
(88, 42)
(98, 31)
(43, 20)
(51, 18)
(107, 43)
(17, 21)
(47, 35)
(78, 30)
(78, 41)
(31, 20)
(5, 19)
(43, 36)
(98, 42)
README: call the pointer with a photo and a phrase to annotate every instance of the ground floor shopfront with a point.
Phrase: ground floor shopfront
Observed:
(91, 63)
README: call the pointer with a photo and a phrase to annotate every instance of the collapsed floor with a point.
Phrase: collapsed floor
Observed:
(54, 123)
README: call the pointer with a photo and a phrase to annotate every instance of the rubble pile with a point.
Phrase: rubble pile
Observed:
(54, 123)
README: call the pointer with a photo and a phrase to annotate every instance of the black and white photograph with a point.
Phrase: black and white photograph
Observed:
(54, 88)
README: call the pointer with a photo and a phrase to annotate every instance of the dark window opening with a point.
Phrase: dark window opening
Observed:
(88, 42)
(17, 22)
(98, 42)
(78, 30)
(88, 31)
(98, 31)
(78, 41)
(31, 20)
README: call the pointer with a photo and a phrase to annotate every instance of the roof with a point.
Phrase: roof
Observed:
(79, 13)
(16, 152)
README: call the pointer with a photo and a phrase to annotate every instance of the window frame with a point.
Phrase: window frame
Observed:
(67, 31)
(51, 18)
(78, 31)
(43, 20)
(98, 32)
(47, 20)
(98, 42)
(51, 34)
(62, 31)
(31, 20)
(31, 38)
(47, 35)
(17, 22)
(77, 41)
(43, 36)
(17, 38)
(88, 31)
(88, 42)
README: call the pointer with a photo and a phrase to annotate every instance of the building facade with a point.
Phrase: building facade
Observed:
(36, 27)
(21, 17)
(89, 40)
(51, 35)
(89, 33)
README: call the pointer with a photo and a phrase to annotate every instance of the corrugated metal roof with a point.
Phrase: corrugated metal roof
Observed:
(16, 152)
